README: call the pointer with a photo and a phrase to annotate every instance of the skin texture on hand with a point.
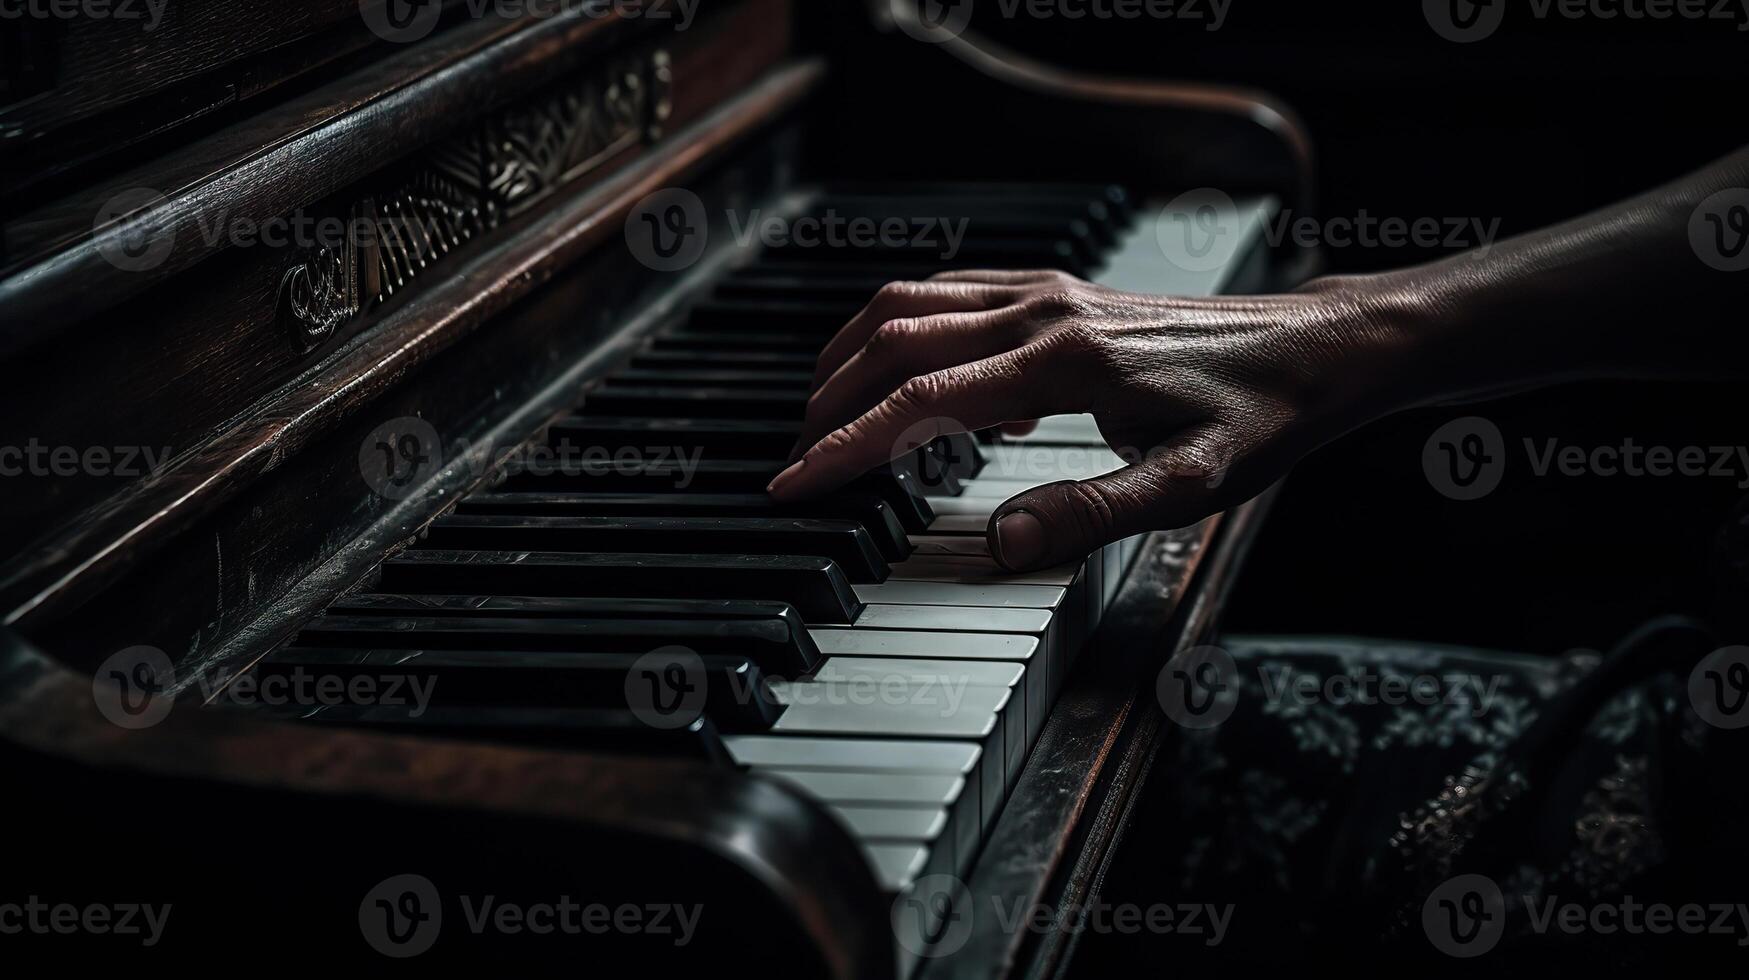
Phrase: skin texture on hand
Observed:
(1210, 400)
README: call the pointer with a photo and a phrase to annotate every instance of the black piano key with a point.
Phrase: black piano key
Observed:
(580, 473)
(779, 646)
(923, 263)
(894, 485)
(1006, 197)
(716, 378)
(717, 438)
(613, 732)
(871, 512)
(763, 284)
(683, 359)
(771, 633)
(818, 318)
(734, 692)
(845, 542)
(714, 340)
(614, 398)
(815, 586)
(961, 453)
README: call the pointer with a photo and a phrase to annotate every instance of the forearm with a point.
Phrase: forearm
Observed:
(1622, 292)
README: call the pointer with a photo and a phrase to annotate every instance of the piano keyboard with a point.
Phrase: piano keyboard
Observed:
(864, 649)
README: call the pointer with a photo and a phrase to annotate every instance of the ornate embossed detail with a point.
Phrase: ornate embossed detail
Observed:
(470, 183)
(322, 291)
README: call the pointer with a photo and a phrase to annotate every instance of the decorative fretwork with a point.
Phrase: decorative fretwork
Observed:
(468, 184)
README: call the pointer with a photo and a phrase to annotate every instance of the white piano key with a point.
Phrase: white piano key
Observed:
(1019, 461)
(896, 866)
(1138, 264)
(1069, 430)
(1037, 623)
(837, 708)
(972, 570)
(896, 789)
(960, 524)
(980, 673)
(876, 755)
(929, 827)
(893, 824)
(933, 645)
(852, 753)
(998, 491)
(950, 544)
(993, 716)
(976, 507)
(947, 594)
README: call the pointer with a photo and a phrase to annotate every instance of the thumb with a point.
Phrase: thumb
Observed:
(1067, 521)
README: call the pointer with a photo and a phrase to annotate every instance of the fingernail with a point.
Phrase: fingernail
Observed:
(785, 478)
(1020, 539)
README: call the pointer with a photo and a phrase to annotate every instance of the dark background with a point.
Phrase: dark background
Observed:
(1542, 121)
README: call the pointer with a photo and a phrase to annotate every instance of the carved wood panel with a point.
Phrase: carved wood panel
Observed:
(401, 223)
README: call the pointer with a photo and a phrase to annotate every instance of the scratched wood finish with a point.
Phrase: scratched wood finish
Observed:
(214, 329)
(93, 88)
(247, 808)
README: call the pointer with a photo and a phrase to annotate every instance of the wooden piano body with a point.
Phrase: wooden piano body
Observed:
(251, 373)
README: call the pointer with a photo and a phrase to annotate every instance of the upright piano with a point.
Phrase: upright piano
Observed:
(392, 388)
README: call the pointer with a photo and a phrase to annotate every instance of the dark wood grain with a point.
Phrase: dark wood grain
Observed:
(126, 529)
(766, 840)
(272, 162)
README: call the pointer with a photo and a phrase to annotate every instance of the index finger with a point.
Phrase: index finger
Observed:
(960, 399)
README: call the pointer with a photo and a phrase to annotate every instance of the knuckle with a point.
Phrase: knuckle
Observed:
(1091, 508)
(836, 441)
(896, 292)
(1052, 304)
(889, 337)
(916, 394)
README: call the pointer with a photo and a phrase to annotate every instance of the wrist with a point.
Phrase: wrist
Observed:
(1380, 335)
